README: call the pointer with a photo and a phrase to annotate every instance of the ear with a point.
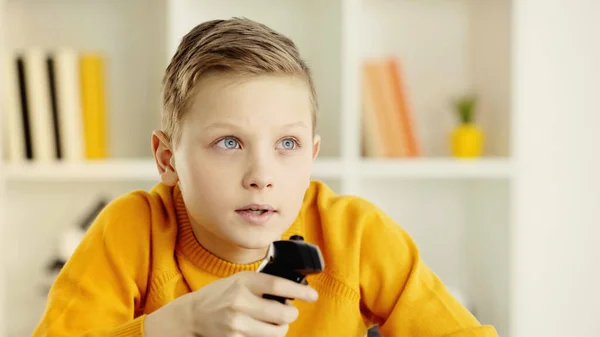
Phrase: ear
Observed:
(163, 155)
(316, 146)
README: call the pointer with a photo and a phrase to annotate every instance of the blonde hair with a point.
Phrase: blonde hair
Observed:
(238, 47)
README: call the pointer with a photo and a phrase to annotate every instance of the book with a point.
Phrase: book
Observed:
(70, 116)
(15, 144)
(39, 111)
(93, 105)
(387, 123)
(55, 105)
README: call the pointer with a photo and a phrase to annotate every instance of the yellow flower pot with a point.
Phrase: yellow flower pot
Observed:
(467, 141)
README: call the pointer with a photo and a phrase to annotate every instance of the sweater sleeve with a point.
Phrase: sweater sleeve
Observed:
(401, 294)
(101, 288)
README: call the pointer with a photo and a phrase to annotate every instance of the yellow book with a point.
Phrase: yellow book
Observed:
(93, 101)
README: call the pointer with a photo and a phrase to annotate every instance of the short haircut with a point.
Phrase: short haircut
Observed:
(237, 47)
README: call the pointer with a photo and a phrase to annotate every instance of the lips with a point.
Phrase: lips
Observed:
(256, 214)
(257, 211)
(257, 208)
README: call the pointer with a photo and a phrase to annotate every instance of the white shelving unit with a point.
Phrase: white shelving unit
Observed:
(429, 196)
(141, 170)
(144, 170)
(475, 220)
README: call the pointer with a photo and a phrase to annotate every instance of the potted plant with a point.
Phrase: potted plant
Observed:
(467, 138)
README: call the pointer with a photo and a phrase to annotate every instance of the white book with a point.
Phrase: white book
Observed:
(39, 101)
(14, 133)
(68, 96)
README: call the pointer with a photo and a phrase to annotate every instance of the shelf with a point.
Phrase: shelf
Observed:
(142, 170)
(437, 168)
(145, 170)
(113, 170)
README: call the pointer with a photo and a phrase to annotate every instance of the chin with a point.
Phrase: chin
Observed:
(255, 238)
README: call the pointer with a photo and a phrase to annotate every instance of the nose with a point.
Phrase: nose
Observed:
(258, 175)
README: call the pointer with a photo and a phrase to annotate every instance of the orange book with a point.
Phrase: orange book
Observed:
(93, 104)
(402, 108)
(389, 112)
(375, 135)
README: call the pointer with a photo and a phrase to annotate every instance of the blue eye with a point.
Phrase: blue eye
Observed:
(229, 143)
(288, 144)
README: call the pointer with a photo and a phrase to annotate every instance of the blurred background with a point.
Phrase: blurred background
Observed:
(473, 123)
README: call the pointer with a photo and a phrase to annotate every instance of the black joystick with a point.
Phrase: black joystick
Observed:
(292, 259)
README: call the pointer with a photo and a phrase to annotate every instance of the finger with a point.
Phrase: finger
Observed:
(260, 283)
(245, 325)
(272, 311)
(264, 310)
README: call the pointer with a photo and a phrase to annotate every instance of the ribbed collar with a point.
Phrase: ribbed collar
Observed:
(204, 259)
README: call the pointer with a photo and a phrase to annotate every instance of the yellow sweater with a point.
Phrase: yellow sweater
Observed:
(141, 253)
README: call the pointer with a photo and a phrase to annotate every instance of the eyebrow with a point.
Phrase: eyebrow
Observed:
(220, 125)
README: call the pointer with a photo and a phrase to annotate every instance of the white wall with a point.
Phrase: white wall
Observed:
(556, 229)
(490, 46)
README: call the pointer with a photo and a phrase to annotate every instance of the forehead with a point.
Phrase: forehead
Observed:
(272, 99)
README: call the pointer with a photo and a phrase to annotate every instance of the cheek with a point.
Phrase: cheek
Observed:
(206, 180)
(208, 191)
(297, 165)
(295, 178)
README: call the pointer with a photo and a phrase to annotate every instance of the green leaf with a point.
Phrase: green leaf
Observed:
(465, 108)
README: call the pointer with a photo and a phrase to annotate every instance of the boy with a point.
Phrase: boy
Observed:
(234, 156)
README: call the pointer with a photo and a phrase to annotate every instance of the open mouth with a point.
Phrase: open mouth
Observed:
(256, 214)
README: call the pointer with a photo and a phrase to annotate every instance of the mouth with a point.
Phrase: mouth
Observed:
(257, 209)
(256, 214)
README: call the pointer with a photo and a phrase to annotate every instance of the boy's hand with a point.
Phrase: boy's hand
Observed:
(231, 307)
